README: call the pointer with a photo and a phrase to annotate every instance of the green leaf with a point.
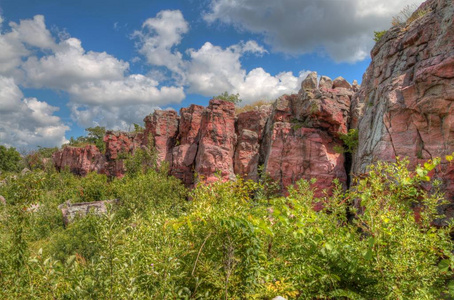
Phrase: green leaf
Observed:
(368, 255)
(444, 265)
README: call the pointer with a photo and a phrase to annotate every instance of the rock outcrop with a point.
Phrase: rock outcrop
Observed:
(162, 128)
(80, 160)
(185, 152)
(217, 142)
(70, 211)
(250, 131)
(294, 138)
(404, 106)
(302, 134)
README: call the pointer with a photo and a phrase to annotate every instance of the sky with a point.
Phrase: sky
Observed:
(66, 65)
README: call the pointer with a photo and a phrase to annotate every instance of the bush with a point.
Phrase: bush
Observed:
(9, 159)
(234, 98)
(231, 240)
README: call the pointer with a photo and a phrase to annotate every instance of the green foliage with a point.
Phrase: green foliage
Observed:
(40, 159)
(378, 35)
(232, 240)
(234, 98)
(95, 137)
(350, 141)
(9, 159)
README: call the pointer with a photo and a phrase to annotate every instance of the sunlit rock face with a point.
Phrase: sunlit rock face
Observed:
(404, 106)
(217, 142)
(294, 138)
(302, 134)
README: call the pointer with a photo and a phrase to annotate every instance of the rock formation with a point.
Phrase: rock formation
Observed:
(294, 138)
(404, 106)
(80, 160)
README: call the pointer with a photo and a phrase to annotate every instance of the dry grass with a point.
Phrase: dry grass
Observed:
(408, 15)
(252, 106)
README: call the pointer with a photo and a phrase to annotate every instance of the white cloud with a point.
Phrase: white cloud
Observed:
(71, 65)
(158, 38)
(344, 29)
(134, 89)
(27, 122)
(213, 70)
(34, 32)
(113, 117)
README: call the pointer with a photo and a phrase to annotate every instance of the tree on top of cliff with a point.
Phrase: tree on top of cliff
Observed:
(235, 98)
(95, 136)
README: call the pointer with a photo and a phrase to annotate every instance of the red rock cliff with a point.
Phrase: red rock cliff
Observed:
(404, 106)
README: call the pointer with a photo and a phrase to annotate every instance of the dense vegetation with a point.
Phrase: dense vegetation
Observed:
(232, 240)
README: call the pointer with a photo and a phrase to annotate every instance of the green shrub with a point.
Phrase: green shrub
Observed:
(234, 98)
(9, 159)
(379, 34)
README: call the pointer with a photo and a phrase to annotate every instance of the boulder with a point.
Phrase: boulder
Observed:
(71, 211)
(2, 200)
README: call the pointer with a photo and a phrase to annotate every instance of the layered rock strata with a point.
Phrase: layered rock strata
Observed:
(404, 106)
(294, 138)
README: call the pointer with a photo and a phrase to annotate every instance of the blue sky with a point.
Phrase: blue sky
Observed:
(68, 65)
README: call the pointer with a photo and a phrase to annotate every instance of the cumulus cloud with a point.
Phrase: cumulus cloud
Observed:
(341, 29)
(101, 90)
(159, 36)
(134, 89)
(113, 117)
(71, 64)
(213, 70)
(27, 122)
(34, 32)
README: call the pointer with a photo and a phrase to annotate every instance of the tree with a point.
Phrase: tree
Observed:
(234, 98)
(95, 136)
(9, 159)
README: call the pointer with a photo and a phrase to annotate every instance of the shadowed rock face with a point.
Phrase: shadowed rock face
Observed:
(80, 161)
(404, 106)
(184, 154)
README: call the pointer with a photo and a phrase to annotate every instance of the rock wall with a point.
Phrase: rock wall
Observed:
(80, 160)
(294, 138)
(404, 106)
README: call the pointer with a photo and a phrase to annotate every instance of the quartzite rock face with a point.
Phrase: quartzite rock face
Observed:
(217, 141)
(162, 125)
(184, 154)
(302, 134)
(119, 143)
(80, 161)
(404, 106)
(250, 131)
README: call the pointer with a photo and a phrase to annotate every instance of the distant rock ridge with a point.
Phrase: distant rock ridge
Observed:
(403, 108)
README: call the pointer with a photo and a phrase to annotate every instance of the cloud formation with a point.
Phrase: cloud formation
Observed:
(213, 70)
(27, 122)
(159, 36)
(341, 29)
